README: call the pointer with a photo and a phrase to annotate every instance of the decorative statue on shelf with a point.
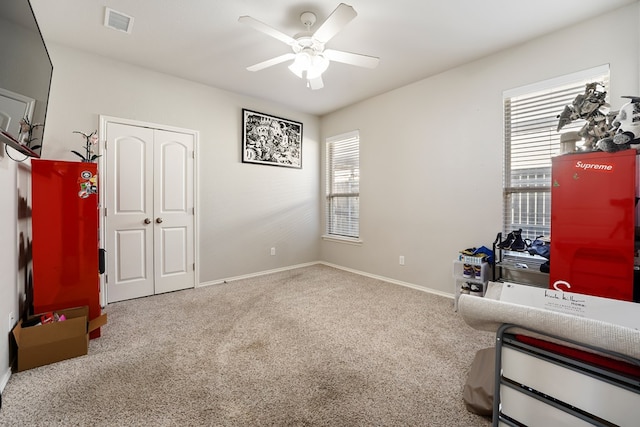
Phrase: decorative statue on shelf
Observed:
(587, 106)
(625, 130)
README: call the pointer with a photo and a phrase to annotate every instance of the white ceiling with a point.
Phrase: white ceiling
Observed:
(202, 40)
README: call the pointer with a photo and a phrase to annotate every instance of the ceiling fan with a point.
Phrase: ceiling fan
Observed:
(310, 58)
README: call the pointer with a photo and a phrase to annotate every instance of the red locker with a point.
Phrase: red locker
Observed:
(593, 223)
(65, 236)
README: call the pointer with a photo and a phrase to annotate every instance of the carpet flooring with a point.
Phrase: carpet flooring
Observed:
(314, 346)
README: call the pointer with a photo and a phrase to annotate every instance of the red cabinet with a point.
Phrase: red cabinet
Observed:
(593, 223)
(65, 236)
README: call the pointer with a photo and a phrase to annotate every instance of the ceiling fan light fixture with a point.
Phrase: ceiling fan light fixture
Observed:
(300, 64)
(309, 65)
(319, 64)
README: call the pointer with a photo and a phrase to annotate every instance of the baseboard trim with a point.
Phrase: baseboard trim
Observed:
(389, 280)
(257, 274)
(5, 379)
(351, 270)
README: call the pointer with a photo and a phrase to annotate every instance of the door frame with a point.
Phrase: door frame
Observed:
(102, 168)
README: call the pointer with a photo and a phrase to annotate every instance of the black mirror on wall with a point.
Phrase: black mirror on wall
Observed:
(25, 79)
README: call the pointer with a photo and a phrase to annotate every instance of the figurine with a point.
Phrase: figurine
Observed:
(587, 107)
(625, 128)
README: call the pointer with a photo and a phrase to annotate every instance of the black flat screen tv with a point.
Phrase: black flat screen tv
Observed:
(25, 77)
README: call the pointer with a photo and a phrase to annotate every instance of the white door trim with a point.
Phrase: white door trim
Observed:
(104, 120)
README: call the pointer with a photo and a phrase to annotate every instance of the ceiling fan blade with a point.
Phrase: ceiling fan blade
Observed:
(352, 58)
(316, 83)
(268, 30)
(341, 16)
(270, 62)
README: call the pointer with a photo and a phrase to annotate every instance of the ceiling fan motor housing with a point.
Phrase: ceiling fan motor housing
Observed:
(308, 19)
(304, 42)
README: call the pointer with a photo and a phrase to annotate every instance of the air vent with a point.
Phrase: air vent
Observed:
(117, 20)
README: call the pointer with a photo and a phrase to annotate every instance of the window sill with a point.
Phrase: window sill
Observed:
(339, 239)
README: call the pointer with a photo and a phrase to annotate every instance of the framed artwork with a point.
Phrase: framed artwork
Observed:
(270, 140)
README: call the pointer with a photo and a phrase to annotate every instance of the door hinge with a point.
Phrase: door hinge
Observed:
(105, 144)
(105, 211)
(193, 154)
(194, 266)
(193, 211)
(106, 279)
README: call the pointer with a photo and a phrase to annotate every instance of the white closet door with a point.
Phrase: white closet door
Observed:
(150, 216)
(173, 210)
(129, 205)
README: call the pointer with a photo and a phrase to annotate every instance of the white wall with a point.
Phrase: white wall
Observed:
(432, 152)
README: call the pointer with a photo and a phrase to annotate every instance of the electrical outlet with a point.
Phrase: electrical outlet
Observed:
(273, 251)
(401, 259)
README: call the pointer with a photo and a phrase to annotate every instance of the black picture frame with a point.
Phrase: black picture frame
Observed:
(271, 140)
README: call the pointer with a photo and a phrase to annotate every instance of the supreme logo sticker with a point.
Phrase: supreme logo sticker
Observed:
(594, 166)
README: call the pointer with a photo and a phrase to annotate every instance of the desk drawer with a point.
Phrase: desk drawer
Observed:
(600, 398)
(533, 412)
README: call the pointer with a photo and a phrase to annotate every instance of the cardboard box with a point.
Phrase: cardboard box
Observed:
(52, 342)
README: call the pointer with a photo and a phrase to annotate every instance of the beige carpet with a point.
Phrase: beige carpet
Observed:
(315, 346)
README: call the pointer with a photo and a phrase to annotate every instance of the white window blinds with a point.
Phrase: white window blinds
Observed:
(531, 140)
(343, 186)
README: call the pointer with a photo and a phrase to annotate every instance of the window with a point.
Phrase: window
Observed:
(343, 186)
(531, 140)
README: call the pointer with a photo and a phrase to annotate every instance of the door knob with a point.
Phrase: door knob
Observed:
(159, 220)
(147, 221)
